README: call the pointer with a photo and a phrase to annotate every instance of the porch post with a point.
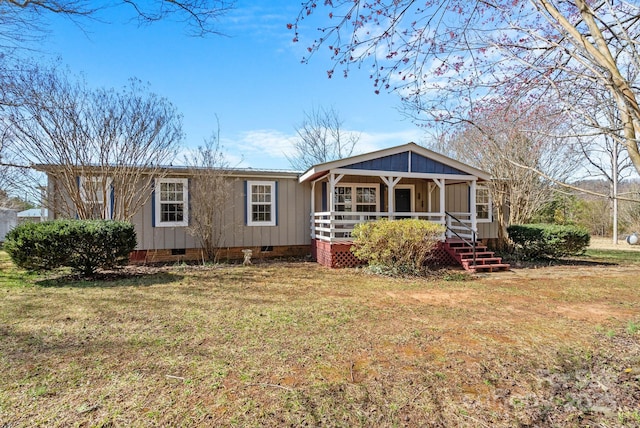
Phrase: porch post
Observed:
(429, 190)
(391, 184)
(313, 210)
(441, 187)
(472, 206)
(333, 180)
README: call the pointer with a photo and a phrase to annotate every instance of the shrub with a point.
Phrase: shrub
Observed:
(397, 247)
(82, 245)
(548, 240)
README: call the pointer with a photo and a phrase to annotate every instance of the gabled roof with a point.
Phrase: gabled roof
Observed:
(406, 158)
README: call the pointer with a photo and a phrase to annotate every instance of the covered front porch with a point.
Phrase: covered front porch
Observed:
(402, 182)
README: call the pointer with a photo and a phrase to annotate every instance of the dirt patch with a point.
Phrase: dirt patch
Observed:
(434, 297)
(594, 312)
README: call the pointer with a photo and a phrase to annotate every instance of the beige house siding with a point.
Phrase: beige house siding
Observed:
(293, 208)
(457, 200)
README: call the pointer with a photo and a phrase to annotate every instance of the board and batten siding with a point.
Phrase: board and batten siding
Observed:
(292, 228)
(457, 200)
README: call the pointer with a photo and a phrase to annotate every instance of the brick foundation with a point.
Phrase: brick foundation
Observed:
(226, 254)
(334, 255)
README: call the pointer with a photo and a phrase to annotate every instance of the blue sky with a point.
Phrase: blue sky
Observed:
(251, 78)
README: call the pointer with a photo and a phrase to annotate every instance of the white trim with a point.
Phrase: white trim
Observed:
(185, 202)
(473, 208)
(409, 147)
(354, 192)
(271, 203)
(379, 173)
(412, 196)
(104, 188)
(489, 207)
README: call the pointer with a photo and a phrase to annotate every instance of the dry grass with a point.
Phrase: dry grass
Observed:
(600, 243)
(294, 344)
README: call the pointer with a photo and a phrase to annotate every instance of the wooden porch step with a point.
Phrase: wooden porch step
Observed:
(468, 248)
(489, 268)
(485, 261)
(479, 254)
(482, 261)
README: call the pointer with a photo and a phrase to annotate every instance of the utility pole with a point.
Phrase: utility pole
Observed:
(615, 192)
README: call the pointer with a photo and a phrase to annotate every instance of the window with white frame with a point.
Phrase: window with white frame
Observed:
(95, 193)
(261, 203)
(483, 204)
(172, 202)
(366, 198)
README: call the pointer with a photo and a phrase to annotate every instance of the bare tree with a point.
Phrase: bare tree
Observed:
(212, 187)
(103, 147)
(321, 138)
(444, 56)
(29, 16)
(498, 140)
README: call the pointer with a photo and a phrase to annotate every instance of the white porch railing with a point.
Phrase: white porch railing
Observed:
(337, 226)
(460, 225)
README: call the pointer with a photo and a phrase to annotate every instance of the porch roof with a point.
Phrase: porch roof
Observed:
(404, 160)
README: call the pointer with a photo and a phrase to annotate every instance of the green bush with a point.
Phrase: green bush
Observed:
(396, 247)
(82, 245)
(534, 241)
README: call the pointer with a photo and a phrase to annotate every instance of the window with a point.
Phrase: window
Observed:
(95, 192)
(171, 204)
(366, 198)
(483, 204)
(344, 198)
(261, 203)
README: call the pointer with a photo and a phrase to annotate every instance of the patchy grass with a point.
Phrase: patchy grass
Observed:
(614, 256)
(296, 344)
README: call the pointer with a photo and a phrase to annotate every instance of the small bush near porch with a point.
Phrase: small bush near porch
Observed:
(396, 247)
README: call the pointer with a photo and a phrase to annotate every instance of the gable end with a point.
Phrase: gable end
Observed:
(425, 165)
(398, 163)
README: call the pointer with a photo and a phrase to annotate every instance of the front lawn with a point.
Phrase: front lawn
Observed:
(293, 344)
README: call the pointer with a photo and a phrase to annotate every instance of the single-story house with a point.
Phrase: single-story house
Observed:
(288, 213)
(33, 215)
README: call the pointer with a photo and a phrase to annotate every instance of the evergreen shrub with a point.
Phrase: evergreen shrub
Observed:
(83, 245)
(535, 241)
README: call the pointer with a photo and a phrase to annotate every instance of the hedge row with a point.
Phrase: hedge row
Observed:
(533, 241)
(82, 245)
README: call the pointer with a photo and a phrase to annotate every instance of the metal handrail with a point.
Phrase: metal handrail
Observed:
(473, 234)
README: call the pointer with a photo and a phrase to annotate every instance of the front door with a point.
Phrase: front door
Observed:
(402, 201)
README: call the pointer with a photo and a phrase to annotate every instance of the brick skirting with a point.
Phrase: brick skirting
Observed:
(336, 255)
(339, 255)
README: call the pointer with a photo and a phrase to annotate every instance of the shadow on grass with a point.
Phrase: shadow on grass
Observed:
(111, 279)
(542, 262)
